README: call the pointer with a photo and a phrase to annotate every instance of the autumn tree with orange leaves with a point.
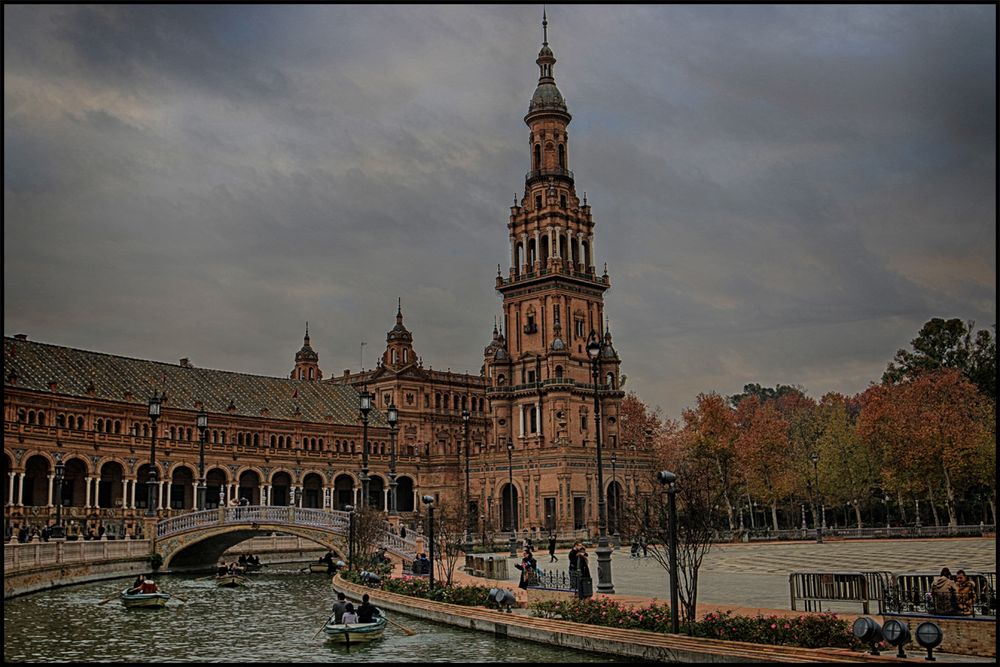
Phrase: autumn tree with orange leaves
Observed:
(935, 430)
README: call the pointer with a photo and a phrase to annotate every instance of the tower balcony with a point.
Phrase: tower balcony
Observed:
(555, 171)
(555, 269)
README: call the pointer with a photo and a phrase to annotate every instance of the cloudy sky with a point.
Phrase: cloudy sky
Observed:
(782, 194)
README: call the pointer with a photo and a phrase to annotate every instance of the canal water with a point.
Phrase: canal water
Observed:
(275, 619)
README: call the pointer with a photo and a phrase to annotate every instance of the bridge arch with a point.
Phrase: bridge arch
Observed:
(196, 540)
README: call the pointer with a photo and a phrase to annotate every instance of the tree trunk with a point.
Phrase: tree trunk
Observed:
(949, 498)
(902, 508)
(774, 515)
(993, 508)
(930, 501)
(857, 514)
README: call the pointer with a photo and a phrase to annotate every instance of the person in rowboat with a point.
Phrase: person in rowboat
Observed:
(136, 585)
(148, 586)
(366, 611)
(222, 569)
(349, 615)
(339, 607)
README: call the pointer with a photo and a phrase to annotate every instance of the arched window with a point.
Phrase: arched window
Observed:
(311, 373)
(239, 438)
(538, 202)
(611, 380)
(538, 157)
(586, 254)
(189, 435)
(273, 440)
(405, 355)
(559, 372)
(41, 418)
(118, 427)
(501, 379)
(562, 156)
(98, 425)
(79, 423)
(145, 430)
(562, 201)
(60, 420)
(256, 439)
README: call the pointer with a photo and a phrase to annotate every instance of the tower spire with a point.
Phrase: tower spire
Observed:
(545, 28)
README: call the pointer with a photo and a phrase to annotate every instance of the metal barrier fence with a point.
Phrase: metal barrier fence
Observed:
(913, 592)
(895, 593)
(486, 566)
(553, 580)
(767, 535)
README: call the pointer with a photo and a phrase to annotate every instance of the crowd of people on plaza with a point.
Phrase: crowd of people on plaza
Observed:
(953, 594)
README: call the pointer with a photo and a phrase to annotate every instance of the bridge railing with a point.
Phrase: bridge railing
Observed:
(335, 521)
(17, 557)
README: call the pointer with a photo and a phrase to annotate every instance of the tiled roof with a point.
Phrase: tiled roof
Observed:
(127, 380)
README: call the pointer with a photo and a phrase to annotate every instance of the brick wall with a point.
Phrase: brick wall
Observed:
(964, 636)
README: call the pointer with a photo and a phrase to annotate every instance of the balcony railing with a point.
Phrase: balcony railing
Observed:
(555, 171)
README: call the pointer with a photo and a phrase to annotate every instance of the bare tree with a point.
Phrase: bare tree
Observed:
(450, 521)
(369, 527)
(699, 519)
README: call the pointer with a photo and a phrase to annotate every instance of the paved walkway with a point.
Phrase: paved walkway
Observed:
(751, 577)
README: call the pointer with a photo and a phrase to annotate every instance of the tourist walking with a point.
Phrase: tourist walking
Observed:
(574, 574)
(552, 549)
(527, 567)
(585, 589)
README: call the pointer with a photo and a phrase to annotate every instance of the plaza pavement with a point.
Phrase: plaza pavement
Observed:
(754, 577)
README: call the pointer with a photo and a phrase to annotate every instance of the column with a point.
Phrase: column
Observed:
(513, 254)
(520, 410)
(593, 255)
(385, 498)
(297, 490)
(52, 479)
(354, 490)
(553, 251)
(569, 246)
(538, 249)
(20, 488)
(132, 484)
(10, 487)
(265, 494)
(524, 245)
(234, 490)
(555, 247)
(538, 416)
(579, 252)
(86, 502)
(163, 502)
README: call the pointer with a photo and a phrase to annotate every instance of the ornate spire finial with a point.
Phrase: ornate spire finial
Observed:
(515, 199)
(545, 28)
(584, 198)
(307, 332)
(399, 310)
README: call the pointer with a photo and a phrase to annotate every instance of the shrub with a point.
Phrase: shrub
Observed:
(808, 630)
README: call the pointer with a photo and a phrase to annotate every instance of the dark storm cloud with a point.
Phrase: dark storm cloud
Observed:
(782, 194)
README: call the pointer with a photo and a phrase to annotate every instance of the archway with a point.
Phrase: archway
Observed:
(343, 488)
(249, 487)
(111, 488)
(35, 492)
(404, 494)
(312, 491)
(74, 486)
(182, 489)
(509, 508)
(281, 485)
(215, 484)
(376, 492)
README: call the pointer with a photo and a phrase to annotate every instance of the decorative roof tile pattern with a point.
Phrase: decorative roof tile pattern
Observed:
(34, 366)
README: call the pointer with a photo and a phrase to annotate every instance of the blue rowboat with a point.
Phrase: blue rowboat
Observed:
(355, 633)
(131, 600)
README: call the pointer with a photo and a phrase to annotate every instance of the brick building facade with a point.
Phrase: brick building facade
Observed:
(298, 439)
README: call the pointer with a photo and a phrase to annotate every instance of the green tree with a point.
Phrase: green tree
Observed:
(944, 344)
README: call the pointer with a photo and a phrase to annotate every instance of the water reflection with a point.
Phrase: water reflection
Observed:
(275, 619)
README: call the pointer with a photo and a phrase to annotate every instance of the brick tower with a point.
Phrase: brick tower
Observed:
(539, 375)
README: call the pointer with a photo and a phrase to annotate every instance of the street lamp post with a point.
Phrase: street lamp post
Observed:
(816, 498)
(202, 425)
(468, 497)
(669, 480)
(350, 536)
(365, 404)
(604, 584)
(885, 499)
(510, 498)
(429, 501)
(58, 532)
(614, 485)
(393, 419)
(151, 485)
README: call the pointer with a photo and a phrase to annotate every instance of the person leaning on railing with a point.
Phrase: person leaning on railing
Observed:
(943, 593)
(965, 593)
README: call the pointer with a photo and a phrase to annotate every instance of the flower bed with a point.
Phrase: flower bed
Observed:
(419, 587)
(807, 631)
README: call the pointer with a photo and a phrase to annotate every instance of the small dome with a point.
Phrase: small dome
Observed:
(545, 51)
(547, 96)
(306, 354)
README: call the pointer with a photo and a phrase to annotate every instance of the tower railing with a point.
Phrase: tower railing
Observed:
(555, 171)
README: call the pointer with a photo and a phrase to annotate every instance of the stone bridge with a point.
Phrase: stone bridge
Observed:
(197, 540)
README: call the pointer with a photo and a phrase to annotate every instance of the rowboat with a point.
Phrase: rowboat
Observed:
(251, 567)
(355, 633)
(230, 581)
(318, 567)
(131, 600)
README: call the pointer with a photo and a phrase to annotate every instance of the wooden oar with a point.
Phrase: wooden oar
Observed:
(406, 630)
(180, 598)
(208, 576)
(320, 630)
(108, 599)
